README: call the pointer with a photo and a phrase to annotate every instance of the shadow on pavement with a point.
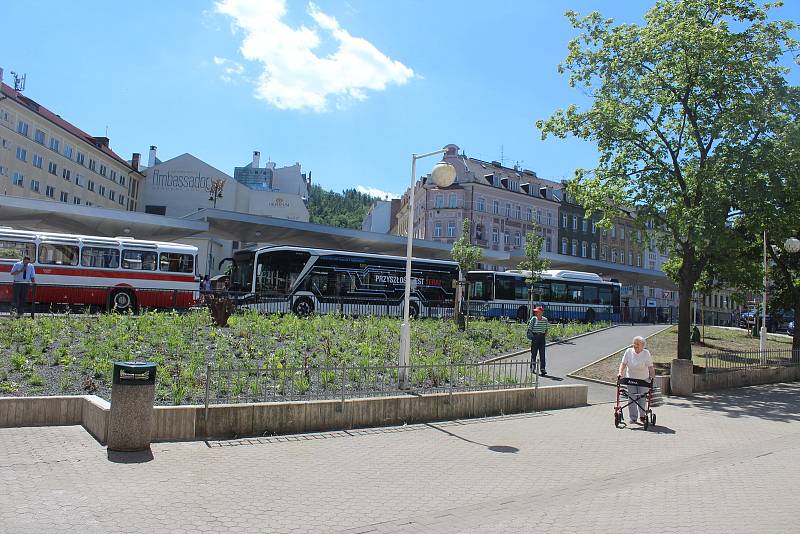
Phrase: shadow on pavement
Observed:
(553, 378)
(494, 448)
(138, 457)
(774, 402)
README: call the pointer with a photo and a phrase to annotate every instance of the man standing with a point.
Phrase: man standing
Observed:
(24, 275)
(537, 333)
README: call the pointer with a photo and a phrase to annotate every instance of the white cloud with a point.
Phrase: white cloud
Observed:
(230, 69)
(293, 75)
(377, 193)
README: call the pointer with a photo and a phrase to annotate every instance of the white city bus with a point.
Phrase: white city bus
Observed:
(308, 280)
(116, 273)
(565, 295)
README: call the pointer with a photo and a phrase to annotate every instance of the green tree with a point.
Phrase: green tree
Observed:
(345, 210)
(467, 256)
(676, 104)
(533, 262)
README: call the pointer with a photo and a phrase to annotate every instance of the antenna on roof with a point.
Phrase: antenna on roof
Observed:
(19, 81)
(502, 158)
(106, 130)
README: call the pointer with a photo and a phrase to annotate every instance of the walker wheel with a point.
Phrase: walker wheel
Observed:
(653, 419)
(646, 423)
(617, 419)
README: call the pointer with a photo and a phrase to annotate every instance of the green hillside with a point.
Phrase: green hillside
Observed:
(345, 210)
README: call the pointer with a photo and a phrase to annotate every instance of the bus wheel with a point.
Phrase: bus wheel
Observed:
(590, 315)
(303, 307)
(413, 310)
(522, 314)
(121, 301)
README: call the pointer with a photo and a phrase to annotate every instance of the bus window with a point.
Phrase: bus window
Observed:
(480, 286)
(504, 288)
(541, 290)
(139, 260)
(106, 258)
(241, 271)
(174, 262)
(277, 271)
(520, 289)
(605, 295)
(559, 292)
(590, 295)
(54, 254)
(575, 293)
(16, 250)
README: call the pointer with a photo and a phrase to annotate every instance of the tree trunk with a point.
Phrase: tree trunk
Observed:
(685, 320)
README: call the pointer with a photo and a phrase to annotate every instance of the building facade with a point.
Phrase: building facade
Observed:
(380, 216)
(44, 157)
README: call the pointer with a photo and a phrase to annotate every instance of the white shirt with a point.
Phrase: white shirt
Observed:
(637, 365)
(23, 275)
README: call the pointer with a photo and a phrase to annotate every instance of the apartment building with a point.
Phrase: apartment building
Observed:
(44, 157)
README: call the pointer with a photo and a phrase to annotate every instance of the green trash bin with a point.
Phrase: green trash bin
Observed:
(133, 388)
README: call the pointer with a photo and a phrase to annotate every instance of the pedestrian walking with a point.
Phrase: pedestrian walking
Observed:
(637, 363)
(24, 276)
(537, 333)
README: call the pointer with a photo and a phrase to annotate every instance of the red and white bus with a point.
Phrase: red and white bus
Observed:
(116, 273)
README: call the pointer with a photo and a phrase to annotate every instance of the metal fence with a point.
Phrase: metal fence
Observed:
(754, 359)
(276, 383)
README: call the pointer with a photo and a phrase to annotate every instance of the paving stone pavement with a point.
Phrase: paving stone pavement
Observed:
(722, 462)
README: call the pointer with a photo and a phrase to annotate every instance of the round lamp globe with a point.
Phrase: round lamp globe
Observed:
(443, 174)
(792, 245)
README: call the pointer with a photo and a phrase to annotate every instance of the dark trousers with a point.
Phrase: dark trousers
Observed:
(19, 296)
(537, 345)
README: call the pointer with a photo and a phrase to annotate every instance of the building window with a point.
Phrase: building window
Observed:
(67, 151)
(585, 225)
(517, 239)
(52, 169)
(65, 173)
(101, 190)
(453, 201)
(550, 218)
(437, 229)
(64, 196)
(613, 255)
(49, 191)
(506, 239)
(564, 246)
(622, 233)
(479, 231)
(584, 248)
(80, 159)
(538, 216)
(112, 195)
(92, 165)
(22, 128)
(54, 144)
(630, 258)
(564, 220)
(508, 209)
(574, 247)
(439, 201)
(451, 229)
(102, 170)
(495, 236)
(481, 204)
(18, 179)
(90, 185)
(38, 136)
(529, 214)
(121, 200)
(594, 227)
(76, 200)
(496, 207)
(594, 251)
(113, 176)
(121, 179)
(37, 161)
(603, 252)
(613, 231)
(78, 180)
(639, 261)
(35, 185)
(574, 222)
(549, 244)
(22, 154)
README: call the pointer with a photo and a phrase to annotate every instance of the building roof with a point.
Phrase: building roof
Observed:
(99, 143)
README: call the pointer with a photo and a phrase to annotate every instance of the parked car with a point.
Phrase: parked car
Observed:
(746, 319)
(790, 328)
(777, 320)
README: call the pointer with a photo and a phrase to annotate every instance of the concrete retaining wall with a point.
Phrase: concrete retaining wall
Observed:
(180, 423)
(744, 377)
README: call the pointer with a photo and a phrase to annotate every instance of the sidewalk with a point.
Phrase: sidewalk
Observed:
(716, 463)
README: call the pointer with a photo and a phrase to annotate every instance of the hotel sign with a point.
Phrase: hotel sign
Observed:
(180, 180)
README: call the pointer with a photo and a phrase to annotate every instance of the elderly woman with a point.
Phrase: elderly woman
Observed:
(638, 364)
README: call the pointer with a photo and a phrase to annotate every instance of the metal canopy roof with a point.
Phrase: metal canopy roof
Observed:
(45, 215)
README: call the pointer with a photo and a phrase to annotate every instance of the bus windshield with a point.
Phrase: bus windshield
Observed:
(242, 272)
(277, 271)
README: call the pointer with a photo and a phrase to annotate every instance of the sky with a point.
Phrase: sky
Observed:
(347, 88)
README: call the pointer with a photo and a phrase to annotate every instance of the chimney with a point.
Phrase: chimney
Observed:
(151, 159)
(101, 141)
(256, 159)
(135, 161)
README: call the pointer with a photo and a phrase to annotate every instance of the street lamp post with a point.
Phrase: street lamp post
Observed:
(443, 175)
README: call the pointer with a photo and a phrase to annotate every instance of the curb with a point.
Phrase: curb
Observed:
(572, 374)
(520, 352)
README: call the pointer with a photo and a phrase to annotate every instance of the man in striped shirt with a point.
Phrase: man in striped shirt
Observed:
(537, 333)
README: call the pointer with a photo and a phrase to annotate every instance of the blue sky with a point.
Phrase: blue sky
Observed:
(187, 77)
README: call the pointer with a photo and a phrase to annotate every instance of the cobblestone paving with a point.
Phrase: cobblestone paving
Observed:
(724, 462)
